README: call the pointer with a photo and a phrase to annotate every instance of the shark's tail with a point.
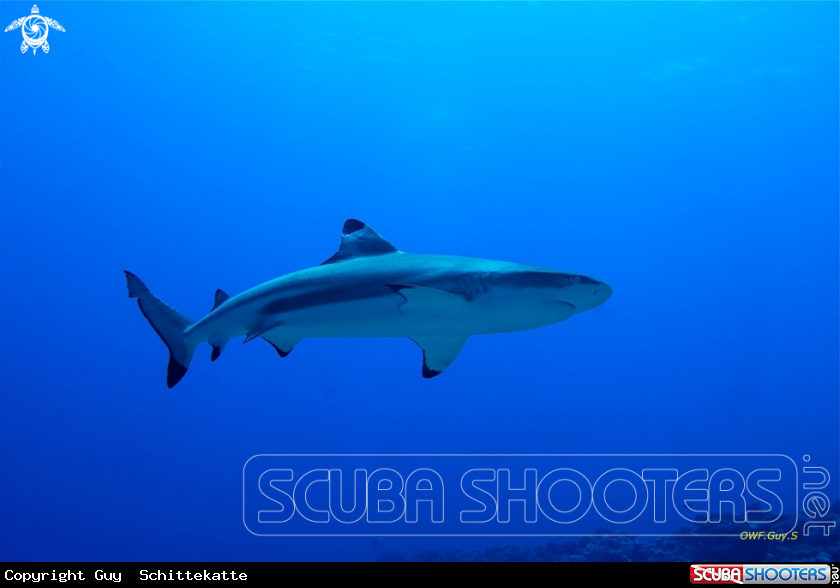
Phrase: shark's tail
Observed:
(168, 323)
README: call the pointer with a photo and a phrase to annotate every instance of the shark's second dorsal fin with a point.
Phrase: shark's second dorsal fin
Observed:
(220, 298)
(359, 240)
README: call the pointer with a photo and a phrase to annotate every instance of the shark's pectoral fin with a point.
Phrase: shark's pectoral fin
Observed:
(281, 342)
(423, 301)
(439, 352)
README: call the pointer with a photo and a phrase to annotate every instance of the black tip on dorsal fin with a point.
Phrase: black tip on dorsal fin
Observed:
(219, 299)
(359, 240)
(351, 225)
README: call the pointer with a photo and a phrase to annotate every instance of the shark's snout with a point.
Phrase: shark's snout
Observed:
(602, 293)
(594, 294)
(588, 294)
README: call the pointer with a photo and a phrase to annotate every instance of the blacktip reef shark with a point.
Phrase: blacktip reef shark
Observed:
(369, 289)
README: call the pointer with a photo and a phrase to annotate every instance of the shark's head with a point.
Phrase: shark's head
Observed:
(552, 287)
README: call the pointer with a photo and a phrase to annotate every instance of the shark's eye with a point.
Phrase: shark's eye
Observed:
(573, 280)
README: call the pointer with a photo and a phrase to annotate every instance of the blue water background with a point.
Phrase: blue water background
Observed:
(685, 153)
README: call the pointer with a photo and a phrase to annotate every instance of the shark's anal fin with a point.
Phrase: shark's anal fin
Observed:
(439, 352)
(359, 240)
(217, 351)
(219, 299)
(283, 344)
(420, 300)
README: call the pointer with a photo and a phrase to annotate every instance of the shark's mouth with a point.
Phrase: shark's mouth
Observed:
(563, 303)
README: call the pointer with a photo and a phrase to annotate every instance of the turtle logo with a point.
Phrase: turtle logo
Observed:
(35, 29)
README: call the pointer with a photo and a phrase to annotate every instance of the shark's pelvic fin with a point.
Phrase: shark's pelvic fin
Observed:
(267, 324)
(420, 300)
(439, 352)
(359, 240)
(283, 344)
(168, 323)
(220, 299)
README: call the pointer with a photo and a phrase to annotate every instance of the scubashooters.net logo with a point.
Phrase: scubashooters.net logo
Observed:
(35, 29)
(797, 574)
(519, 495)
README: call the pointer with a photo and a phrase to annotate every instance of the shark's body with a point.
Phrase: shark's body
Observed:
(369, 289)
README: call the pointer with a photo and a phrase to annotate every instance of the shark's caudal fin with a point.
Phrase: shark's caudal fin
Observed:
(168, 323)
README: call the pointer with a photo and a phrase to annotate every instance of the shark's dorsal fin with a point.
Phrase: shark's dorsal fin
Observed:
(359, 240)
(219, 299)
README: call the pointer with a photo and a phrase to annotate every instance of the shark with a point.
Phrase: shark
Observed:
(368, 288)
